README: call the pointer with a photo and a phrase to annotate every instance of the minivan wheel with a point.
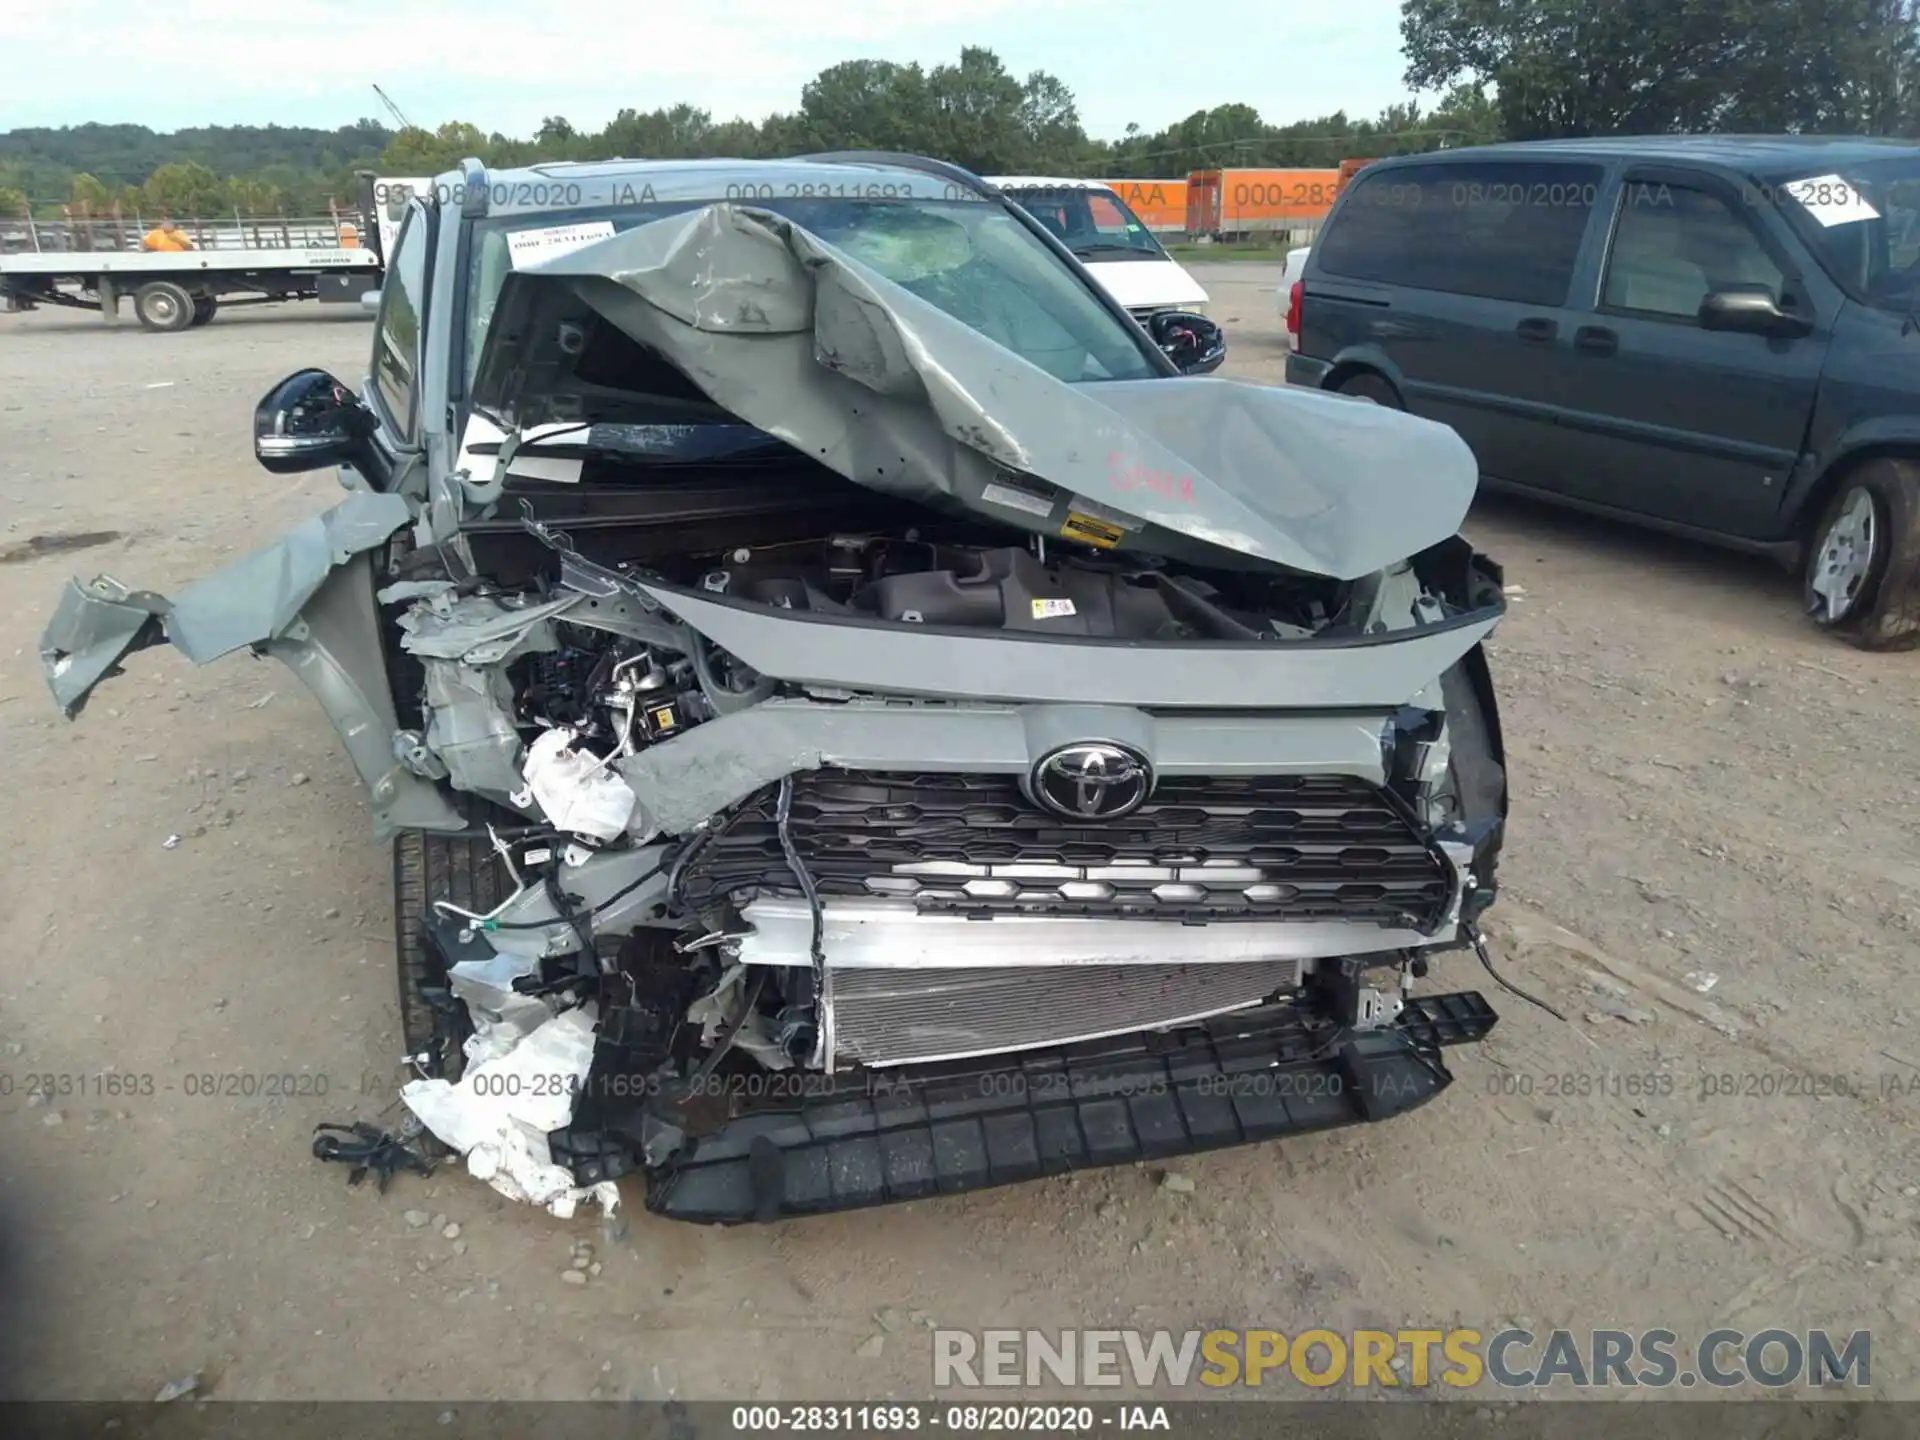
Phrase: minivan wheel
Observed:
(1368, 386)
(465, 870)
(1863, 560)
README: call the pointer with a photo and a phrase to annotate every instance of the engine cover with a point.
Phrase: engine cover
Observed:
(1012, 589)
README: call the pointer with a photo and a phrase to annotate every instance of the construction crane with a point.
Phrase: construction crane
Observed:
(393, 109)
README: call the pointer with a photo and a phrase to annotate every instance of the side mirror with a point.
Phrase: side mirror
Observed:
(310, 420)
(1751, 310)
(370, 301)
(1192, 342)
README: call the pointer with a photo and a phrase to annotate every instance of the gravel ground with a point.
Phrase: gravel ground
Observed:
(1702, 786)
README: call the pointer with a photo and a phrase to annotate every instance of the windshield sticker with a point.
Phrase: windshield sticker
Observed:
(1011, 499)
(1832, 200)
(530, 247)
(1052, 609)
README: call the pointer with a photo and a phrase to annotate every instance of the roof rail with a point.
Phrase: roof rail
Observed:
(942, 168)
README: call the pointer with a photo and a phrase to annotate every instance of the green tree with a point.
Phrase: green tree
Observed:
(184, 189)
(677, 133)
(976, 114)
(13, 203)
(1599, 67)
(864, 105)
(1050, 127)
(254, 197)
(91, 192)
(415, 151)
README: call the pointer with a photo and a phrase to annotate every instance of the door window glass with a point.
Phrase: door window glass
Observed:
(1504, 230)
(396, 338)
(1673, 247)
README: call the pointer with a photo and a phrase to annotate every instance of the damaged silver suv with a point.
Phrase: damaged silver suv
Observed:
(854, 719)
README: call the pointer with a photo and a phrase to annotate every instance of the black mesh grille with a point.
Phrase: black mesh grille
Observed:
(1317, 847)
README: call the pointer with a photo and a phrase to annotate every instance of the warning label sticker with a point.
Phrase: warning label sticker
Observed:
(1119, 519)
(1091, 530)
(1051, 609)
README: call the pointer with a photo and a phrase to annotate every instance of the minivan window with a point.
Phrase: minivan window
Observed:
(1501, 230)
(1863, 223)
(396, 336)
(1673, 246)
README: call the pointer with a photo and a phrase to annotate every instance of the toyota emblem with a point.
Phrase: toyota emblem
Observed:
(1092, 781)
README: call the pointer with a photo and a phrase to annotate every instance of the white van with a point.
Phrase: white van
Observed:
(1109, 239)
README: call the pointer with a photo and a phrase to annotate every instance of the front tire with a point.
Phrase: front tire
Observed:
(1862, 579)
(465, 870)
(163, 305)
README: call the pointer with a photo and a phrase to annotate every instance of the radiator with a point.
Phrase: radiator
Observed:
(905, 1016)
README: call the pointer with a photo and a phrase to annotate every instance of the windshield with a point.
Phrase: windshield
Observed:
(1864, 224)
(969, 257)
(1094, 224)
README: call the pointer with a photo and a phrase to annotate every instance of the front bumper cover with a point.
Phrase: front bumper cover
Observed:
(810, 1144)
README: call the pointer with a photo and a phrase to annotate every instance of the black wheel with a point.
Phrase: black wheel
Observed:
(203, 308)
(1369, 386)
(163, 305)
(465, 870)
(1862, 576)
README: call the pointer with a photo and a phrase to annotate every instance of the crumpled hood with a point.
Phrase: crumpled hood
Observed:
(799, 339)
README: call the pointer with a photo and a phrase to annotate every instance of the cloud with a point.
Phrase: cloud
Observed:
(219, 60)
(506, 64)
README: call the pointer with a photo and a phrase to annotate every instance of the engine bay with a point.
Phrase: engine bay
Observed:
(908, 579)
(559, 679)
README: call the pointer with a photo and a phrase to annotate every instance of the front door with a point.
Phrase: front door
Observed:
(1670, 419)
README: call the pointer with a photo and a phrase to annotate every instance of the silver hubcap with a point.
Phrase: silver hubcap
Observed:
(163, 308)
(1846, 555)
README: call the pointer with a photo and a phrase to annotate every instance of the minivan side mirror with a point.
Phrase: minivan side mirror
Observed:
(310, 420)
(370, 301)
(1750, 309)
(1192, 342)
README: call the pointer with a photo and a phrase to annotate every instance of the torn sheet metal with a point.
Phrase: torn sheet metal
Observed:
(470, 727)
(810, 345)
(481, 629)
(252, 601)
(499, 1114)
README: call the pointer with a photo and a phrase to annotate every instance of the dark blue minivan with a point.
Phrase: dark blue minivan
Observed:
(1714, 335)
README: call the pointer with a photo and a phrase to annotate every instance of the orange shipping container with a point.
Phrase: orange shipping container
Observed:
(1232, 202)
(1160, 204)
(1350, 168)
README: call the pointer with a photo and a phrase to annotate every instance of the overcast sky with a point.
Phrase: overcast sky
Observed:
(504, 64)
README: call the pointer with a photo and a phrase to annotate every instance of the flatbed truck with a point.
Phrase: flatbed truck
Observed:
(95, 263)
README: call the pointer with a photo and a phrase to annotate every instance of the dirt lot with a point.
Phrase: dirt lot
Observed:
(1701, 785)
